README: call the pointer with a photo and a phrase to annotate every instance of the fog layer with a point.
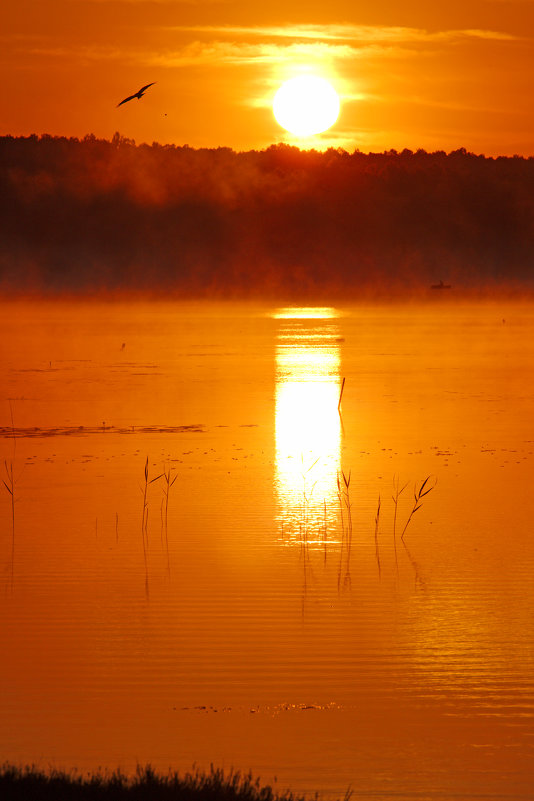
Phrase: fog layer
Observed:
(90, 215)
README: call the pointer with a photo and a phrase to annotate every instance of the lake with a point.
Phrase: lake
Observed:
(211, 559)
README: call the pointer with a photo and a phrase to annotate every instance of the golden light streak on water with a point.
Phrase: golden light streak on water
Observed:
(308, 425)
(305, 313)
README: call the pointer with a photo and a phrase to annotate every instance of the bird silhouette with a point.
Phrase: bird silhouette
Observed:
(138, 94)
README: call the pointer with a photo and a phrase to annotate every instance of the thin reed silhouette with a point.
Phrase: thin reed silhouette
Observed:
(345, 496)
(307, 493)
(144, 521)
(377, 551)
(167, 484)
(395, 497)
(341, 395)
(418, 496)
(10, 487)
(345, 505)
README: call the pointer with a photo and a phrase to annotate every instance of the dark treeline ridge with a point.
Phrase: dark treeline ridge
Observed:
(91, 214)
(23, 784)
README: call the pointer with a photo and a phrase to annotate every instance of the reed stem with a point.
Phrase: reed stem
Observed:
(341, 395)
(377, 522)
(418, 496)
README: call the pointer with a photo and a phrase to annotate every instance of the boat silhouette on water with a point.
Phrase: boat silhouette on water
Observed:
(441, 285)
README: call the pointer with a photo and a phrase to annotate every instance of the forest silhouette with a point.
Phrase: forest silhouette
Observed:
(96, 215)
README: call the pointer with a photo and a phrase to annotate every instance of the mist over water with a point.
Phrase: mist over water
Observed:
(239, 616)
(108, 216)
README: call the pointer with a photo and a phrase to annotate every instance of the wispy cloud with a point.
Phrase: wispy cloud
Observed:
(327, 45)
(348, 33)
(235, 45)
(219, 52)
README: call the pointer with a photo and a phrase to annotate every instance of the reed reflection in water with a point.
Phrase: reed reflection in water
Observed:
(307, 425)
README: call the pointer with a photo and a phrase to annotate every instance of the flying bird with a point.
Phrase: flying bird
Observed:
(138, 94)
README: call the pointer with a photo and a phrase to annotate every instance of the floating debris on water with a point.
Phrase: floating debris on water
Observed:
(82, 431)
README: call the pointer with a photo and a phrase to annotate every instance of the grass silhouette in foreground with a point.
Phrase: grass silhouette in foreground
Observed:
(21, 784)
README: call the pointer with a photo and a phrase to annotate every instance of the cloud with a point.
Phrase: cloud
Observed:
(276, 46)
(245, 45)
(219, 52)
(348, 33)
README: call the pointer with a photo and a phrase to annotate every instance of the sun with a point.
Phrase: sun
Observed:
(306, 105)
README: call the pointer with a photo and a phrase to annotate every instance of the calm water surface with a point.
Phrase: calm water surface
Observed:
(247, 608)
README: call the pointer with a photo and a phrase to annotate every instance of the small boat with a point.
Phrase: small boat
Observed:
(441, 285)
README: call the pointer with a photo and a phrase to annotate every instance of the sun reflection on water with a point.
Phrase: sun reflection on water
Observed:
(308, 426)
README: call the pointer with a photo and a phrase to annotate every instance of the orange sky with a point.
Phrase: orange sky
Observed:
(410, 74)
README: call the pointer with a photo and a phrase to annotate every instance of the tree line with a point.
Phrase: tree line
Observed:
(91, 214)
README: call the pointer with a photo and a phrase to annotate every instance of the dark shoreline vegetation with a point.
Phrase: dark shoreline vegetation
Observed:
(91, 215)
(22, 784)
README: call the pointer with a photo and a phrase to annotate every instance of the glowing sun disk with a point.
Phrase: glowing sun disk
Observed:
(306, 105)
